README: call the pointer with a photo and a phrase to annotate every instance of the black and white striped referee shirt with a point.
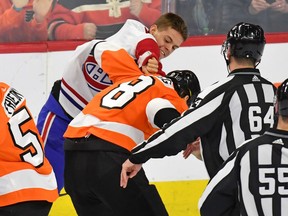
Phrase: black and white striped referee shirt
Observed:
(224, 115)
(254, 180)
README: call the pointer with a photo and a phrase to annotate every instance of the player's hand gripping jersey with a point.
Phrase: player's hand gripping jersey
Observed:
(115, 116)
(85, 75)
(25, 173)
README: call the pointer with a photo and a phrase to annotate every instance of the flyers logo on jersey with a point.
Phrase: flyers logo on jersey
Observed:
(11, 101)
(96, 78)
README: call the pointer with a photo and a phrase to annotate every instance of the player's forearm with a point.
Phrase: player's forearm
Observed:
(150, 151)
(146, 49)
(165, 142)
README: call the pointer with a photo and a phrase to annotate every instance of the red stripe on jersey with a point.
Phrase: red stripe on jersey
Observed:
(47, 125)
(74, 92)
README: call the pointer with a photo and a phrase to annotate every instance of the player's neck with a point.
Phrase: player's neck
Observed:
(234, 66)
(282, 125)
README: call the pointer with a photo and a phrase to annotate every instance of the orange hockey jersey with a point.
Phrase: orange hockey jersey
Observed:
(25, 173)
(124, 113)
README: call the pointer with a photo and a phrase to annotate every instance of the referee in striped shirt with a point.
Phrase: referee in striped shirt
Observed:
(255, 176)
(224, 115)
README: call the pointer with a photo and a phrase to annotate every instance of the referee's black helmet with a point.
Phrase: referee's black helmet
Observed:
(185, 83)
(245, 40)
(282, 99)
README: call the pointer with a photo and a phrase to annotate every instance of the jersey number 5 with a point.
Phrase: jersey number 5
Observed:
(26, 140)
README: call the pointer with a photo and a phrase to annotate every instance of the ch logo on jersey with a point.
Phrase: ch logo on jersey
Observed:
(96, 78)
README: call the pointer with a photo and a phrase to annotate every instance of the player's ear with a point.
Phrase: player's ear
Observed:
(186, 98)
(153, 29)
(276, 107)
(228, 54)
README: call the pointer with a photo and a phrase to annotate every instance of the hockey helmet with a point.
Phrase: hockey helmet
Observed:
(282, 99)
(185, 83)
(245, 40)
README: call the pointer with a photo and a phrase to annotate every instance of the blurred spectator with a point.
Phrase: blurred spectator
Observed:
(24, 20)
(75, 20)
(198, 19)
(205, 17)
(229, 12)
(271, 14)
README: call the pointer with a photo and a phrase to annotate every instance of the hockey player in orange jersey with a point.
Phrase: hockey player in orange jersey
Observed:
(27, 181)
(100, 138)
(86, 75)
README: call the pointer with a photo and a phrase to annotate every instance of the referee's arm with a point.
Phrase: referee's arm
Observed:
(220, 196)
(175, 136)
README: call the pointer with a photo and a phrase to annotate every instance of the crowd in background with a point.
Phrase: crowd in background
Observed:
(87, 111)
(35, 20)
(205, 17)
